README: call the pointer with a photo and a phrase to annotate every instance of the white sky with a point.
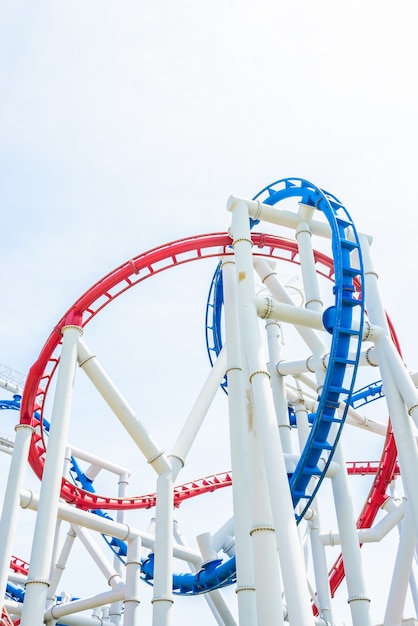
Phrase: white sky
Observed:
(127, 125)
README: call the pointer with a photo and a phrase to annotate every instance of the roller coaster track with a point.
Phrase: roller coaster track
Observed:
(131, 274)
(388, 468)
(347, 272)
(347, 276)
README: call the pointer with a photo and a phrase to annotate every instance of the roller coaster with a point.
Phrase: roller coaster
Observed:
(301, 369)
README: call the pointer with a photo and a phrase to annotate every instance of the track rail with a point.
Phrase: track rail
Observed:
(387, 469)
(176, 253)
(349, 295)
(100, 295)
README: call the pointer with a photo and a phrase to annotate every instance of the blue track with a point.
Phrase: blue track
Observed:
(338, 320)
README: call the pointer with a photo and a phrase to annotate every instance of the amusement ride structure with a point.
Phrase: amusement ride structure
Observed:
(304, 365)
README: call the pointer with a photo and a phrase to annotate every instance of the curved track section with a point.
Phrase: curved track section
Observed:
(131, 274)
(325, 414)
(338, 320)
(82, 312)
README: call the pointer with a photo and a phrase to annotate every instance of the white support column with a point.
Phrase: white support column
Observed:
(278, 292)
(268, 579)
(132, 593)
(414, 590)
(290, 552)
(402, 378)
(215, 601)
(112, 577)
(320, 567)
(43, 540)
(307, 265)
(302, 422)
(61, 562)
(358, 599)
(163, 560)
(115, 614)
(139, 434)
(278, 386)
(402, 425)
(15, 608)
(12, 500)
(405, 437)
(62, 610)
(108, 526)
(401, 572)
(282, 217)
(197, 414)
(238, 424)
(317, 547)
(50, 596)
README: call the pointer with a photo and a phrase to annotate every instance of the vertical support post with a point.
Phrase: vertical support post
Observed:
(116, 608)
(401, 572)
(11, 504)
(318, 549)
(50, 596)
(163, 562)
(290, 552)
(358, 599)
(278, 386)
(320, 567)
(401, 423)
(43, 540)
(132, 594)
(238, 425)
(268, 579)
(307, 264)
(214, 599)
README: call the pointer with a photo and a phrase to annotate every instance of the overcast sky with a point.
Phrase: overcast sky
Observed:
(124, 125)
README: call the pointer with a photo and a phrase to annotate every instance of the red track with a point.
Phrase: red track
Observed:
(113, 285)
(103, 293)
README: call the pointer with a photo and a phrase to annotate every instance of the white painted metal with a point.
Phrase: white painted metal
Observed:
(100, 599)
(307, 264)
(111, 576)
(11, 500)
(133, 425)
(42, 547)
(197, 415)
(216, 602)
(268, 579)
(320, 568)
(163, 565)
(115, 614)
(296, 590)
(272, 587)
(358, 597)
(402, 425)
(15, 608)
(401, 572)
(131, 601)
(239, 427)
(106, 526)
(61, 562)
